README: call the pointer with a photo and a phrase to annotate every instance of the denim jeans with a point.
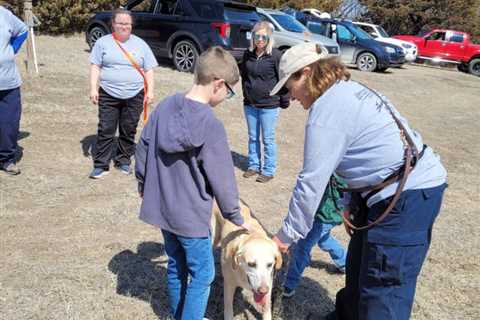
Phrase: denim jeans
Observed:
(10, 112)
(383, 263)
(264, 121)
(320, 235)
(190, 272)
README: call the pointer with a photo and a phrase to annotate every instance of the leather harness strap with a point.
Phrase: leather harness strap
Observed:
(411, 158)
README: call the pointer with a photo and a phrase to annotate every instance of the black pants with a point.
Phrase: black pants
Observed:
(113, 113)
(10, 112)
(383, 263)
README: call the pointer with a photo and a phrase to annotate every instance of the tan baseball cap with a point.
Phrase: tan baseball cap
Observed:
(296, 58)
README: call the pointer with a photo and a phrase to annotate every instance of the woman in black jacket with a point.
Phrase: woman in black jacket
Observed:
(259, 71)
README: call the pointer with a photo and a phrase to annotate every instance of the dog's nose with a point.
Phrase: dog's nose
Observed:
(263, 290)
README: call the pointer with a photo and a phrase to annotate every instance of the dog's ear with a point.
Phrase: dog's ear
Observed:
(234, 253)
(278, 258)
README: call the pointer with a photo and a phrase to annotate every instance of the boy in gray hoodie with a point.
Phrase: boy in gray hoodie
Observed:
(183, 163)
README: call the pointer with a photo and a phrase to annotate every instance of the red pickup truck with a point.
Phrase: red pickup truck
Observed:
(442, 45)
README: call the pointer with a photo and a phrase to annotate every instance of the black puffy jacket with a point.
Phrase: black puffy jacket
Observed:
(259, 76)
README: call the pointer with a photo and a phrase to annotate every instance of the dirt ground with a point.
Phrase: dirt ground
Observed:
(73, 248)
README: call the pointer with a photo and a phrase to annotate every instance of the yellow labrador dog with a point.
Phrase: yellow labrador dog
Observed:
(248, 260)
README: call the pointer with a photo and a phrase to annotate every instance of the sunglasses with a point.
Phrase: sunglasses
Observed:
(260, 37)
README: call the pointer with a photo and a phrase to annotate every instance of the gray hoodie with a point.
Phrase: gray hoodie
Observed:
(182, 162)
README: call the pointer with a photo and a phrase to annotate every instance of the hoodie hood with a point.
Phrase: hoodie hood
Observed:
(187, 123)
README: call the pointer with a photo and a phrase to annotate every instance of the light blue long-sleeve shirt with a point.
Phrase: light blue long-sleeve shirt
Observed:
(350, 131)
(12, 33)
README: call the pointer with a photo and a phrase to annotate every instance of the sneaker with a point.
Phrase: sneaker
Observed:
(12, 169)
(263, 178)
(288, 293)
(98, 173)
(341, 269)
(250, 173)
(124, 168)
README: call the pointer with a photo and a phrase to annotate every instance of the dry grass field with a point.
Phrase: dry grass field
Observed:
(73, 248)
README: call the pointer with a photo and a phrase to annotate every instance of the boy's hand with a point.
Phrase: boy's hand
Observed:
(281, 246)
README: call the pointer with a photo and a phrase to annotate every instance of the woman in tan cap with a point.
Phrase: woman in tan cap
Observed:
(396, 183)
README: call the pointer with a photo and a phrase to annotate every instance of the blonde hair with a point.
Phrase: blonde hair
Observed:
(216, 63)
(267, 26)
(325, 72)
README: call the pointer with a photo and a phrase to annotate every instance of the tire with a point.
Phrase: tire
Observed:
(474, 67)
(94, 34)
(366, 62)
(185, 55)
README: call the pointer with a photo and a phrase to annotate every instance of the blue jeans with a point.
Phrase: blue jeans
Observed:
(10, 112)
(383, 263)
(190, 273)
(264, 120)
(320, 235)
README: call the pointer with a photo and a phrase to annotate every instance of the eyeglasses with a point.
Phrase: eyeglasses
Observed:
(230, 92)
(260, 37)
(123, 24)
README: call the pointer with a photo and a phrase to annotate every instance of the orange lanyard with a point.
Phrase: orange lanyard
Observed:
(142, 73)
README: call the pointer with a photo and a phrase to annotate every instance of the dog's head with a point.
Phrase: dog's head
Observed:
(256, 259)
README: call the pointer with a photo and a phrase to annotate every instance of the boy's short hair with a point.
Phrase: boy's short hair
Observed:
(216, 63)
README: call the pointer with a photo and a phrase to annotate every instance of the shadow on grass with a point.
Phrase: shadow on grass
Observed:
(143, 275)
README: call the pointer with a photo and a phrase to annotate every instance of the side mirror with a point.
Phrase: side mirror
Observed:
(374, 34)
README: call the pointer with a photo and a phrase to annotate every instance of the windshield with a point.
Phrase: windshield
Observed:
(383, 33)
(289, 23)
(359, 33)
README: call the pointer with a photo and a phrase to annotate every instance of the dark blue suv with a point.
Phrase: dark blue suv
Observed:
(357, 47)
(182, 29)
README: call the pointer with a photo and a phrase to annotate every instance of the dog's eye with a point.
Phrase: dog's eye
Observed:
(269, 265)
(252, 264)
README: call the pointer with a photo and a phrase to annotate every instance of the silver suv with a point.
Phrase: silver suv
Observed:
(288, 32)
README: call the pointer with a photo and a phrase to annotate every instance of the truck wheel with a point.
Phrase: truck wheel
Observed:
(474, 67)
(185, 55)
(366, 62)
(94, 34)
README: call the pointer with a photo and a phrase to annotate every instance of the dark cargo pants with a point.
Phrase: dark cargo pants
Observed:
(384, 262)
(116, 113)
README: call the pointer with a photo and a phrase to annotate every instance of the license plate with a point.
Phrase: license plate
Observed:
(248, 35)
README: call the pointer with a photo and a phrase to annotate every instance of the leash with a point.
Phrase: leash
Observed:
(279, 276)
(142, 73)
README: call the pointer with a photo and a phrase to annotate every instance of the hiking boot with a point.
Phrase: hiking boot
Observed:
(263, 178)
(250, 173)
(124, 168)
(12, 169)
(98, 173)
(288, 293)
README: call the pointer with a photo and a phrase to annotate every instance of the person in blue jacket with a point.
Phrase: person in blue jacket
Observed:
(13, 33)
(396, 182)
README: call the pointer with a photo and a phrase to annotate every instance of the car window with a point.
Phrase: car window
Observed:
(343, 33)
(209, 10)
(231, 13)
(167, 7)
(143, 6)
(439, 35)
(456, 37)
(383, 33)
(367, 29)
(289, 23)
(319, 28)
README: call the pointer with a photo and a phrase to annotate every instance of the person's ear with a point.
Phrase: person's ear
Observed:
(217, 85)
(307, 71)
